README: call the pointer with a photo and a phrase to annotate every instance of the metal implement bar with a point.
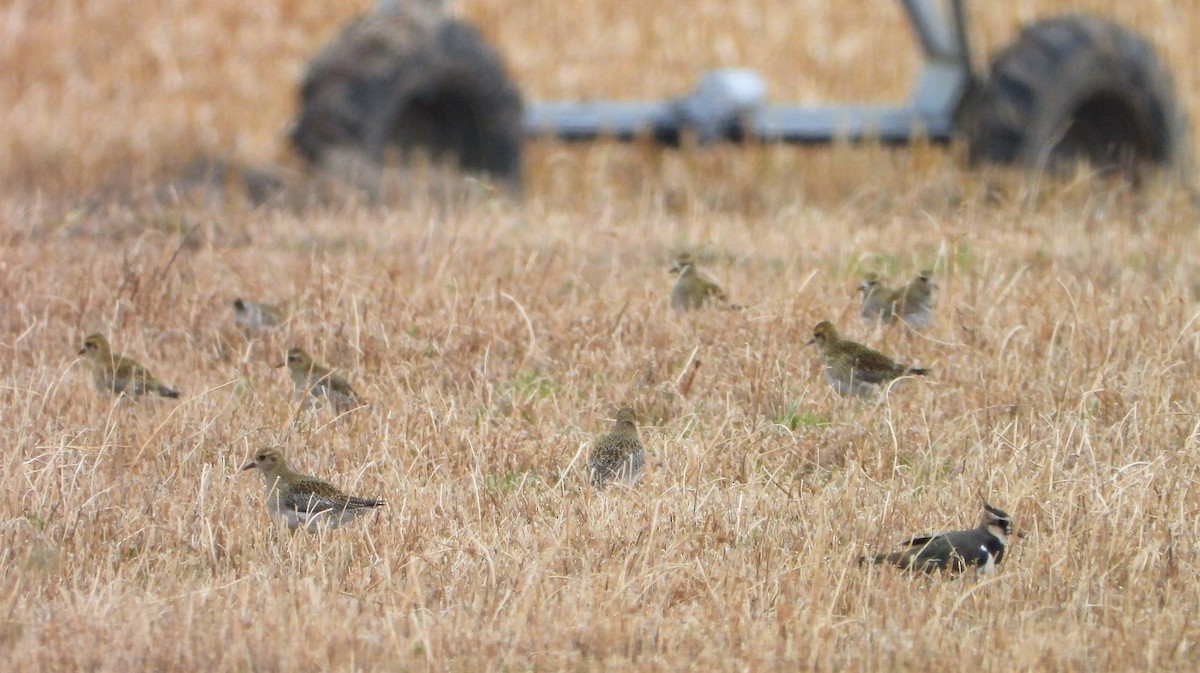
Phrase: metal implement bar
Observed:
(937, 29)
(797, 124)
(730, 105)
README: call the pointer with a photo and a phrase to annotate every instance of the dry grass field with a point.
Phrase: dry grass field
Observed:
(494, 339)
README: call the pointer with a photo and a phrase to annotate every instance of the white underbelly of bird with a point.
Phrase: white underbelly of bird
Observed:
(313, 515)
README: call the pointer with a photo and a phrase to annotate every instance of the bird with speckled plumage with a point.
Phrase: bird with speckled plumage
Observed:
(304, 501)
(852, 368)
(317, 381)
(618, 456)
(115, 374)
(694, 289)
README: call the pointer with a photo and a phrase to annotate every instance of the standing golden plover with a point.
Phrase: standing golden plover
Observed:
(852, 368)
(116, 374)
(619, 455)
(302, 500)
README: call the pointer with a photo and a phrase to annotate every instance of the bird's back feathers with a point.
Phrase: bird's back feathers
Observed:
(619, 455)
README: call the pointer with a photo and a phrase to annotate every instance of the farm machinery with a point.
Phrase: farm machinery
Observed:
(1067, 89)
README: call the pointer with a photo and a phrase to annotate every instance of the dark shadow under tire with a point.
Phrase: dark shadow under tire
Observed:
(395, 82)
(1077, 88)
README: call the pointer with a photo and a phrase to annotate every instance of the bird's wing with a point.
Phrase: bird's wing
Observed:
(614, 448)
(874, 367)
(354, 502)
(921, 541)
(974, 546)
(310, 503)
(604, 450)
(928, 553)
(311, 496)
(130, 370)
(339, 385)
(955, 550)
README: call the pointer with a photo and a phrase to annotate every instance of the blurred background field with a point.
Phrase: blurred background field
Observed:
(495, 338)
(103, 92)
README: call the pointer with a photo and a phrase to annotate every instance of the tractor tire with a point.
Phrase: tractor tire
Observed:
(1077, 88)
(407, 82)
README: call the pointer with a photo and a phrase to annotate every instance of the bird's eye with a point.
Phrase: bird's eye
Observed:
(262, 457)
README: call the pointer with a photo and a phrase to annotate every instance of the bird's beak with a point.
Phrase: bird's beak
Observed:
(281, 364)
(811, 341)
(248, 466)
(674, 269)
(82, 351)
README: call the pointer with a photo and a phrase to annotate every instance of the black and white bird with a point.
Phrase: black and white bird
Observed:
(981, 547)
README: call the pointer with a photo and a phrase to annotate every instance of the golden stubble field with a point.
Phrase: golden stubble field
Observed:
(495, 339)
